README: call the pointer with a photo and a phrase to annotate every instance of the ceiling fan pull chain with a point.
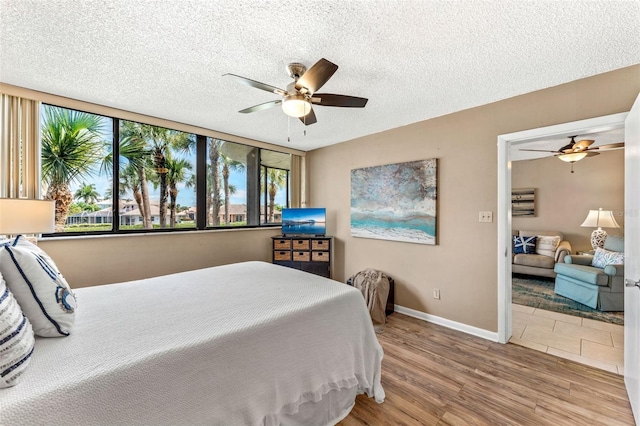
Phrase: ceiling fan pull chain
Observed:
(288, 129)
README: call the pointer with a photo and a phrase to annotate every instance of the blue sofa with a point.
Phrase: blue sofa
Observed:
(598, 288)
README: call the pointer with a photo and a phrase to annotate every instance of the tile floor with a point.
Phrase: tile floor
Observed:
(595, 343)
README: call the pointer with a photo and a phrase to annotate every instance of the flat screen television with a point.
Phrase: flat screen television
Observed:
(304, 221)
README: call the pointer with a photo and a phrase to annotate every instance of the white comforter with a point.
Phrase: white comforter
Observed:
(239, 344)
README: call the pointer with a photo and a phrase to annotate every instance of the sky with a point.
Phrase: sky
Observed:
(186, 196)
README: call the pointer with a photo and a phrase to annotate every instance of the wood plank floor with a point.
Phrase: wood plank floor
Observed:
(433, 375)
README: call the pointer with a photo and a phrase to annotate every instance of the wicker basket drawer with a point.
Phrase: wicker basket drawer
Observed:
(301, 244)
(281, 255)
(282, 244)
(320, 245)
(301, 256)
(320, 256)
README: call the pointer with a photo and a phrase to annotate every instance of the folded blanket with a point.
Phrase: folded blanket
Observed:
(374, 286)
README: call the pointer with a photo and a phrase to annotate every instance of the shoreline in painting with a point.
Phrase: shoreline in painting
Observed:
(394, 234)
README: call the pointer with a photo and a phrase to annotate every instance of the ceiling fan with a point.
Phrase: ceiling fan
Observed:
(576, 151)
(300, 94)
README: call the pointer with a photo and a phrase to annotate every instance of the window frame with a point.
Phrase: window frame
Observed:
(200, 171)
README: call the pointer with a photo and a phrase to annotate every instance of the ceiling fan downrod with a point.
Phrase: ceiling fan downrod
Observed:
(295, 70)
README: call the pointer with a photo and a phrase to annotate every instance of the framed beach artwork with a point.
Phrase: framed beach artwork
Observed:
(395, 202)
(523, 202)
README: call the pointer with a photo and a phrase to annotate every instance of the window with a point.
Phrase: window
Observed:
(274, 185)
(75, 150)
(227, 167)
(157, 175)
(164, 177)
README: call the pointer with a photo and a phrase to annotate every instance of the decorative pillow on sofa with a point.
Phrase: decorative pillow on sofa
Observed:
(547, 246)
(603, 257)
(42, 292)
(524, 245)
(16, 339)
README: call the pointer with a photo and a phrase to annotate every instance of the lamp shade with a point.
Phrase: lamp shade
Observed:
(573, 157)
(296, 106)
(25, 216)
(600, 219)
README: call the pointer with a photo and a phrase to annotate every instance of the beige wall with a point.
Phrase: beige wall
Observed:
(563, 199)
(464, 263)
(88, 261)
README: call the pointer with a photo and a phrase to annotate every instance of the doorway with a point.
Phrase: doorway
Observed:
(505, 145)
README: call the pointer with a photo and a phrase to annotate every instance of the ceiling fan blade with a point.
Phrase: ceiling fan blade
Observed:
(257, 84)
(316, 76)
(329, 99)
(260, 107)
(585, 143)
(541, 150)
(592, 154)
(309, 118)
(609, 146)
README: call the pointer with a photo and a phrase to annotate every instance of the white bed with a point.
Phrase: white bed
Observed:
(243, 344)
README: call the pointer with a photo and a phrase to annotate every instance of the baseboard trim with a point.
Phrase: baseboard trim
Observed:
(475, 331)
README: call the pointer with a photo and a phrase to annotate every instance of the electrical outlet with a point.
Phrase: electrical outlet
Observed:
(485, 217)
(436, 293)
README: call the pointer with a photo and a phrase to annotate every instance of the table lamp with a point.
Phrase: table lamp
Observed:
(26, 216)
(599, 219)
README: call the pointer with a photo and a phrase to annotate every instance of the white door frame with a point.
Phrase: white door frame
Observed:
(632, 258)
(505, 143)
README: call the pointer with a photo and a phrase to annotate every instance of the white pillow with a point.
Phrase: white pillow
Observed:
(547, 246)
(603, 257)
(42, 292)
(16, 339)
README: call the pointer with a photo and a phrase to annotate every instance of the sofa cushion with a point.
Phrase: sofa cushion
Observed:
(524, 245)
(587, 274)
(535, 260)
(546, 245)
(603, 257)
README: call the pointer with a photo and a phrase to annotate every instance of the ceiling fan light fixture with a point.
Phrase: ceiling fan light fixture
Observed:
(296, 106)
(572, 157)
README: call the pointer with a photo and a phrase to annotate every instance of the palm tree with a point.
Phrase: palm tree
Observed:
(72, 146)
(228, 165)
(276, 179)
(176, 173)
(133, 149)
(87, 193)
(214, 173)
(162, 141)
(129, 180)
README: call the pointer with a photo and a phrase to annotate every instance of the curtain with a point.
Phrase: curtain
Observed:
(19, 147)
(298, 181)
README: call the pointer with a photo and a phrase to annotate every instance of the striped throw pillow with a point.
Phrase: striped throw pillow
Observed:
(16, 339)
(42, 292)
(547, 246)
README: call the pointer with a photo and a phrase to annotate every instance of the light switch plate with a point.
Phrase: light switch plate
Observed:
(486, 217)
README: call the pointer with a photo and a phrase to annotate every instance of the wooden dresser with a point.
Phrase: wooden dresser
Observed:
(309, 254)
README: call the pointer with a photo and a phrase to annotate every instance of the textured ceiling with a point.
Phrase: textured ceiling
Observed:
(414, 60)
